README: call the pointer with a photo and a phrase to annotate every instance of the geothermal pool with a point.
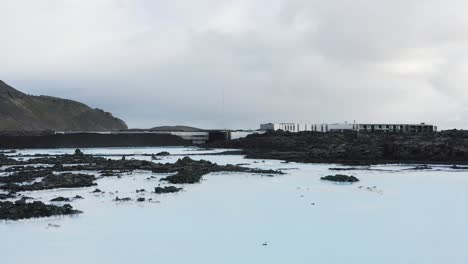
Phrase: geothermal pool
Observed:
(393, 215)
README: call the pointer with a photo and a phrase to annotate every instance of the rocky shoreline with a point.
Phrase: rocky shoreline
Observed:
(21, 209)
(79, 170)
(355, 148)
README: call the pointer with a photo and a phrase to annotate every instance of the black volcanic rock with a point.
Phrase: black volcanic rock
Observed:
(53, 181)
(187, 171)
(125, 199)
(167, 189)
(191, 171)
(358, 148)
(22, 112)
(186, 176)
(61, 199)
(340, 178)
(25, 176)
(5, 160)
(4, 196)
(22, 210)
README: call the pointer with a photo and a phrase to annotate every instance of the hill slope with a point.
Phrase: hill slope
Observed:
(177, 128)
(22, 112)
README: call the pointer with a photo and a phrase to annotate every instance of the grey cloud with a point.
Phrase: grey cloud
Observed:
(170, 62)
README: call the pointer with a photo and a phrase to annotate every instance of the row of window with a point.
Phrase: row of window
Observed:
(287, 127)
(396, 127)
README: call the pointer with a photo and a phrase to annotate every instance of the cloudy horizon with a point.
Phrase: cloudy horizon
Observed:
(236, 64)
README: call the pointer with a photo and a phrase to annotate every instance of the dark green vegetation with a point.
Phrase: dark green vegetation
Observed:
(22, 112)
(447, 147)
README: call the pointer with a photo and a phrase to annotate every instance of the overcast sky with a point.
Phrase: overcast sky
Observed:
(154, 62)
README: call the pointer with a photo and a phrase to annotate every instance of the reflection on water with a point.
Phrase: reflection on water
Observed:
(393, 215)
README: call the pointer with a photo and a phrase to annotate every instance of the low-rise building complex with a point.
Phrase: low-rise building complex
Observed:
(340, 127)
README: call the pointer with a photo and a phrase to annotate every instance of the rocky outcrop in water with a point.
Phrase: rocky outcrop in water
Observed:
(60, 170)
(61, 199)
(125, 199)
(77, 158)
(167, 189)
(340, 178)
(22, 210)
(54, 181)
(190, 171)
(5, 160)
(25, 176)
(4, 196)
(456, 167)
(108, 167)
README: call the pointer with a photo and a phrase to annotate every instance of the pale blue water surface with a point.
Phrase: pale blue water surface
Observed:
(405, 216)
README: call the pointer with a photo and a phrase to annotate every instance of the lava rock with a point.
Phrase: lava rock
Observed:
(360, 148)
(60, 199)
(167, 189)
(125, 199)
(190, 171)
(340, 178)
(79, 153)
(108, 174)
(185, 176)
(64, 180)
(456, 167)
(22, 210)
(5, 160)
(422, 167)
(344, 169)
(25, 176)
(4, 196)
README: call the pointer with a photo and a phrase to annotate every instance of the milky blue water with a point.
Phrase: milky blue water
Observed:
(393, 215)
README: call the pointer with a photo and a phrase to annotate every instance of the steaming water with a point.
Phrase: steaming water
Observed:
(408, 217)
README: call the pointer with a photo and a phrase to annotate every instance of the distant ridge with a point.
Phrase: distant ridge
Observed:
(22, 112)
(177, 128)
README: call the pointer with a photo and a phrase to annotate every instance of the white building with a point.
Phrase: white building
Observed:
(291, 127)
(341, 127)
(411, 128)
